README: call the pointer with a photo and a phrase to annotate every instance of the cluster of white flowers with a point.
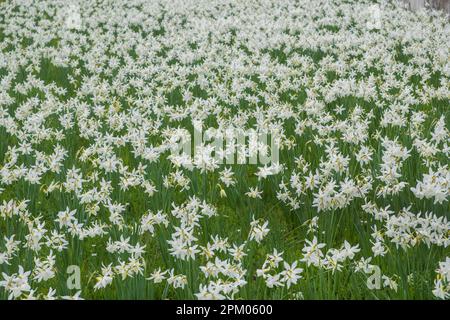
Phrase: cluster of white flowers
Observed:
(290, 273)
(434, 185)
(442, 282)
(95, 100)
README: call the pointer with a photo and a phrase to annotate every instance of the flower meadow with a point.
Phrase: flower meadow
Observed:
(98, 202)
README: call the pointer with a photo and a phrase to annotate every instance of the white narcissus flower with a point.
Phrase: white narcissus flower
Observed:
(291, 273)
(16, 284)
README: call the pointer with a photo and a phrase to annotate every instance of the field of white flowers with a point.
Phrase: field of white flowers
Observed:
(95, 96)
